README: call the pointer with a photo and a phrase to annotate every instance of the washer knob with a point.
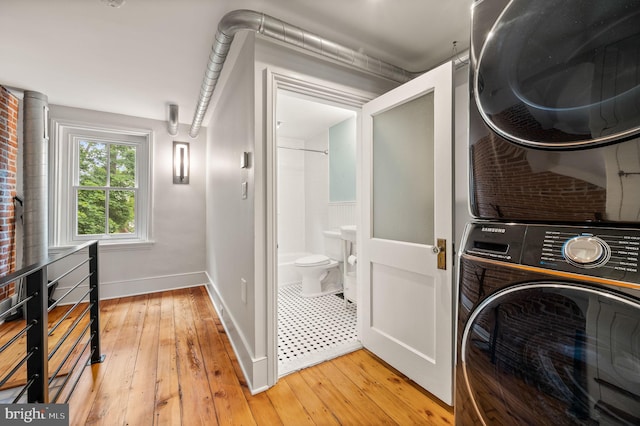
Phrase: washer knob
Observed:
(586, 251)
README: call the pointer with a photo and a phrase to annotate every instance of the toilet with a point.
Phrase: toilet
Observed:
(321, 273)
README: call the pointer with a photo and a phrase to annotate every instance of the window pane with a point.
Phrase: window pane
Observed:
(122, 212)
(122, 166)
(93, 163)
(91, 212)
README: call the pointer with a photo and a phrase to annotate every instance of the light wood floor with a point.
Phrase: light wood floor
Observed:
(169, 362)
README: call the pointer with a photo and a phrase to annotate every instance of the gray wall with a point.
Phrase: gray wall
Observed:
(175, 257)
(230, 247)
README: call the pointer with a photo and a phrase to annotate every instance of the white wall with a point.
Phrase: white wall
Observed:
(230, 220)
(304, 210)
(176, 256)
(316, 189)
(343, 213)
(291, 197)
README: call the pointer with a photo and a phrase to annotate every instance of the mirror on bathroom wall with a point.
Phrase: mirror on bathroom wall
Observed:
(342, 161)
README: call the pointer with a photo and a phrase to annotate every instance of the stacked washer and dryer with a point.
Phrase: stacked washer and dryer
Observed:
(548, 328)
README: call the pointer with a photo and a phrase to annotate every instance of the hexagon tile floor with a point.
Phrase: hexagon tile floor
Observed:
(312, 330)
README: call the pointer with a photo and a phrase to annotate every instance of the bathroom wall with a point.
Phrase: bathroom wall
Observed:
(302, 203)
(291, 197)
(304, 209)
(342, 161)
(302, 195)
(343, 213)
(316, 188)
(342, 173)
(323, 214)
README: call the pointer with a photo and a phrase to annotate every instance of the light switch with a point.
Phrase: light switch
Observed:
(244, 190)
(243, 290)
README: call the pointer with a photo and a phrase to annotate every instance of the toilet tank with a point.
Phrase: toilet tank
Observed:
(333, 244)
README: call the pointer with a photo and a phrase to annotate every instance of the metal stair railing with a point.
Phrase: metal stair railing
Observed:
(36, 306)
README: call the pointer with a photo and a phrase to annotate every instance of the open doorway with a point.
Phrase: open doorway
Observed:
(315, 156)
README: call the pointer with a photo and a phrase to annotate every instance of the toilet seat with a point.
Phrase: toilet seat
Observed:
(313, 260)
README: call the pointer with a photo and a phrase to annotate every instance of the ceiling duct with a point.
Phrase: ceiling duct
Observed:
(35, 176)
(279, 30)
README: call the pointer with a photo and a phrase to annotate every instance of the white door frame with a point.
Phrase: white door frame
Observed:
(320, 89)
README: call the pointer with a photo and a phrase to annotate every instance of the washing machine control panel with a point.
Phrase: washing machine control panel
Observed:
(602, 252)
(612, 253)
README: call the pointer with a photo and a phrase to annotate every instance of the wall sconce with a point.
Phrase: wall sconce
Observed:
(180, 162)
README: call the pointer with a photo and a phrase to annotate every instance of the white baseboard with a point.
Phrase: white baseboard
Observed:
(254, 369)
(116, 289)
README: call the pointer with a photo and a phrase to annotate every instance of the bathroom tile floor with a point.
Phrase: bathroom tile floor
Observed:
(313, 330)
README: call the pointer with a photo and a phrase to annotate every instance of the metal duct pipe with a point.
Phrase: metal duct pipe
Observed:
(172, 124)
(35, 173)
(274, 28)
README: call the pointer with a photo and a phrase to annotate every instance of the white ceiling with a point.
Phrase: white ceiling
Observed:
(138, 58)
(302, 118)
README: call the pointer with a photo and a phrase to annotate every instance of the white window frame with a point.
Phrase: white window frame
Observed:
(64, 179)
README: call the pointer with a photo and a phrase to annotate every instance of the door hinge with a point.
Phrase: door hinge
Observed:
(453, 250)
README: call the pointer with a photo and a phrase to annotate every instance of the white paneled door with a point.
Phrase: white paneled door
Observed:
(406, 302)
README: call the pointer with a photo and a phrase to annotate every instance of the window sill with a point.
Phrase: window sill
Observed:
(106, 246)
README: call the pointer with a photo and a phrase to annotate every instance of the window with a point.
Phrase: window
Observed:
(101, 179)
(106, 188)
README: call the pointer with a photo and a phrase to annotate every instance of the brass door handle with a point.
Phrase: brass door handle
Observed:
(441, 247)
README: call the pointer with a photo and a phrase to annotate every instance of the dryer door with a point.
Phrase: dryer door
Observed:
(562, 74)
(552, 353)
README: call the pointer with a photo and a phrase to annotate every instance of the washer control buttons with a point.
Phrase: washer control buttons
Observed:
(586, 251)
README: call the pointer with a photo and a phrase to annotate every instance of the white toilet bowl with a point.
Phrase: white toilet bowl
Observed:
(320, 275)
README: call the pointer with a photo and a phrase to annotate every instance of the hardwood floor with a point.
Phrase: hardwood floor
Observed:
(169, 362)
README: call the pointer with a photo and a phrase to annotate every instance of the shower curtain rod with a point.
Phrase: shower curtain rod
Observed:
(325, 152)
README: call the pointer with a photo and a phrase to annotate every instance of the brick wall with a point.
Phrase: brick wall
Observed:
(8, 172)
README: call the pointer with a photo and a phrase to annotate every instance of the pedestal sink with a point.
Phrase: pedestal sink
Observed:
(348, 235)
(348, 232)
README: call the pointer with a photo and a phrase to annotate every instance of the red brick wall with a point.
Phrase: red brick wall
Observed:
(8, 172)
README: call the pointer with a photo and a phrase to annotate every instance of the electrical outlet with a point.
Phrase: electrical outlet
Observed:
(243, 290)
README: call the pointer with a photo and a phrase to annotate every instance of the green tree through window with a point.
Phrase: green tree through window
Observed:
(106, 191)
